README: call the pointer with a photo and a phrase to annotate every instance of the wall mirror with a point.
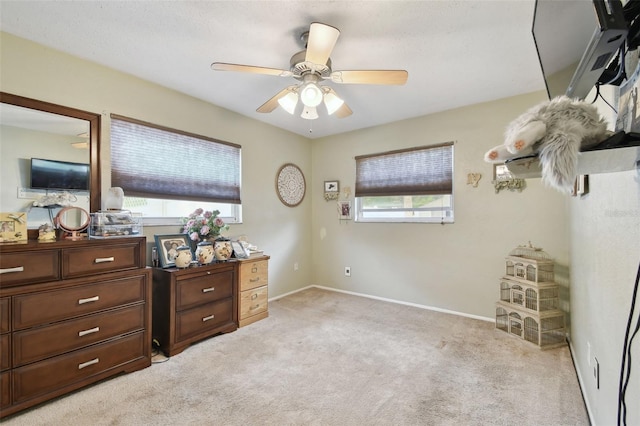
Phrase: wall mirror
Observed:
(36, 129)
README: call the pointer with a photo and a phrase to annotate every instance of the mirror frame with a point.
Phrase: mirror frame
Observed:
(95, 186)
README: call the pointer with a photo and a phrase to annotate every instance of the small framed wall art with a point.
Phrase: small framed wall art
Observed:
(344, 210)
(331, 190)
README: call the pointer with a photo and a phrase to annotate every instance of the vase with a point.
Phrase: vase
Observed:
(204, 252)
(222, 249)
(183, 257)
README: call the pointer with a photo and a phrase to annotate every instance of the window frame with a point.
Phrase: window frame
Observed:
(448, 209)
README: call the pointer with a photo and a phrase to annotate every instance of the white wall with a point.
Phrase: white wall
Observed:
(34, 71)
(456, 266)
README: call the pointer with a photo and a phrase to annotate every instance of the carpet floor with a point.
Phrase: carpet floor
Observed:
(328, 358)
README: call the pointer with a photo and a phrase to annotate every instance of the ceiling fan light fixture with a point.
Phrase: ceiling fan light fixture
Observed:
(309, 113)
(311, 95)
(288, 102)
(332, 102)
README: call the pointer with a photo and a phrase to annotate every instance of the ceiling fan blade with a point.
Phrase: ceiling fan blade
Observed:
(322, 39)
(221, 66)
(272, 103)
(343, 111)
(398, 77)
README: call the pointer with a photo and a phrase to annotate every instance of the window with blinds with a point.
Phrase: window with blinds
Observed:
(169, 173)
(409, 185)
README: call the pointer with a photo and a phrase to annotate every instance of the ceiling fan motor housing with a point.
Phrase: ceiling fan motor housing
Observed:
(299, 67)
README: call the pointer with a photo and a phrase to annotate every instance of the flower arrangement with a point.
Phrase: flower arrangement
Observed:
(202, 225)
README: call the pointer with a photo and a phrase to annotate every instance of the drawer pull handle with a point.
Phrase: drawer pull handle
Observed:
(254, 296)
(104, 259)
(90, 331)
(88, 363)
(89, 299)
(16, 269)
(255, 307)
(254, 280)
(208, 272)
(207, 290)
(254, 269)
(210, 317)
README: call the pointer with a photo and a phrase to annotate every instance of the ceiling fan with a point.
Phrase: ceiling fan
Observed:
(311, 66)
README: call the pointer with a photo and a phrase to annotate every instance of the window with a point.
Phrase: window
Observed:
(167, 173)
(409, 185)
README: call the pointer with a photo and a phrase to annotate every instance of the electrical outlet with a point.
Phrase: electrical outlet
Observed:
(347, 271)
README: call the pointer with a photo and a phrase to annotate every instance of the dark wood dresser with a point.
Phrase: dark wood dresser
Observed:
(194, 303)
(71, 313)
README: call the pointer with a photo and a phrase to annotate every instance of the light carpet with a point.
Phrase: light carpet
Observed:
(328, 358)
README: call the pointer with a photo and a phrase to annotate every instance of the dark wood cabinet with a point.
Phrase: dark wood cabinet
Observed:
(71, 313)
(194, 303)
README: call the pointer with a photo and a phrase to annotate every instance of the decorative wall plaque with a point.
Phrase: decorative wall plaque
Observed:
(290, 185)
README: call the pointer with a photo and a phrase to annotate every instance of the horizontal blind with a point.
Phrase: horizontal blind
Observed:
(151, 161)
(416, 171)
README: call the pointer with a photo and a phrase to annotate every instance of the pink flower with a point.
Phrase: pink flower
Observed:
(194, 236)
(197, 212)
(205, 230)
(218, 222)
(207, 215)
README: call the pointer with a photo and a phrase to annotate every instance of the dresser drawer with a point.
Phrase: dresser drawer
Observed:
(56, 373)
(203, 318)
(206, 287)
(5, 350)
(5, 389)
(29, 267)
(253, 302)
(5, 324)
(39, 343)
(253, 274)
(92, 260)
(29, 309)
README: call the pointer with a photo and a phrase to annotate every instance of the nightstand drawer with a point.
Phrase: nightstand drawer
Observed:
(203, 318)
(203, 288)
(39, 343)
(253, 274)
(29, 267)
(87, 261)
(5, 350)
(75, 301)
(253, 302)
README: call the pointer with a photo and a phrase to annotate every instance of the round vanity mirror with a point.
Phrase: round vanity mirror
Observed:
(73, 220)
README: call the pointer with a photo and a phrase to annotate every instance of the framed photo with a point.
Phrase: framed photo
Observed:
(167, 246)
(238, 250)
(501, 172)
(344, 209)
(13, 227)
(331, 186)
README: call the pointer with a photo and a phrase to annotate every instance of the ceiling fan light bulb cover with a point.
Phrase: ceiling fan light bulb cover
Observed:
(311, 95)
(309, 113)
(288, 102)
(332, 102)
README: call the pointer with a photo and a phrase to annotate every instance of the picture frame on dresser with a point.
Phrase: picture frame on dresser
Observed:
(238, 250)
(167, 245)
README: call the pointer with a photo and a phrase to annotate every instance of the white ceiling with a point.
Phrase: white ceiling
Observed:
(457, 52)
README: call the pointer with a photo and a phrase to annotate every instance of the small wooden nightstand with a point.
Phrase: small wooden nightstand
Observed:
(253, 279)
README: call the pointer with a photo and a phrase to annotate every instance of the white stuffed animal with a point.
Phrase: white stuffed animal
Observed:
(557, 130)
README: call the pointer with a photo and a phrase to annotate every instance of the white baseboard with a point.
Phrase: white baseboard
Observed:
(580, 382)
(384, 299)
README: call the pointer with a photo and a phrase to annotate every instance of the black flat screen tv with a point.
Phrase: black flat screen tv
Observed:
(576, 40)
(54, 174)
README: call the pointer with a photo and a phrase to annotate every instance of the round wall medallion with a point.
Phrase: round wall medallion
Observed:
(290, 185)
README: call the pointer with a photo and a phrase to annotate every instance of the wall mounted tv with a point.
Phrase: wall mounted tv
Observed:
(576, 42)
(54, 174)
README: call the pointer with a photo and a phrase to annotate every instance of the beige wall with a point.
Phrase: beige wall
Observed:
(455, 266)
(34, 71)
